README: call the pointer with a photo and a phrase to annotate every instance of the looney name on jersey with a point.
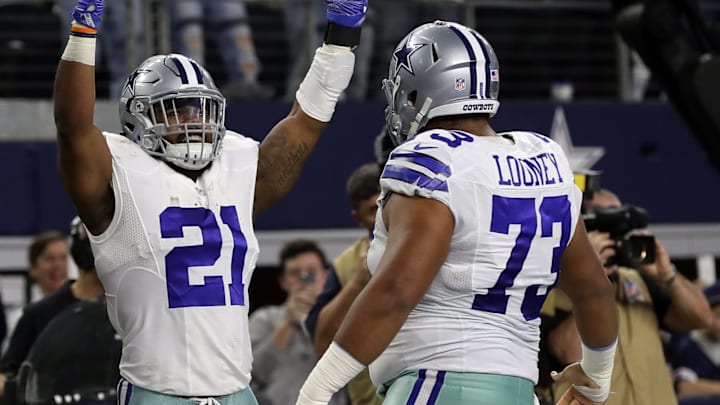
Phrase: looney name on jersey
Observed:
(539, 170)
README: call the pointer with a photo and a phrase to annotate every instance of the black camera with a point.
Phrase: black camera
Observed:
(630, 250)
(306, 277)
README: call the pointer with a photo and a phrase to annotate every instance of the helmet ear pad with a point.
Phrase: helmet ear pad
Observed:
(439, 69)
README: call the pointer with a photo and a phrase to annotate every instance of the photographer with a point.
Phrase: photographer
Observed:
(651, 295)
(282, 350)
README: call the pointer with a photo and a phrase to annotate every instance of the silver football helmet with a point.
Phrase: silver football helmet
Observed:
(171, 107)
(438, 69)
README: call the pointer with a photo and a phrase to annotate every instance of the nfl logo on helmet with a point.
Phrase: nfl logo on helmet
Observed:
(459, 84)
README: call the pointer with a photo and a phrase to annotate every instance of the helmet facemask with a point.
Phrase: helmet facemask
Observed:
(186, 131)
(402, 104)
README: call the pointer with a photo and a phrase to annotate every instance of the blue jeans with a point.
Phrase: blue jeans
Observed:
(234, 39)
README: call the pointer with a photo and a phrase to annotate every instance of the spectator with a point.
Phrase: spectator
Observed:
(282, 351)
(696, 359)
(76, 355)
(348, 277)
(48, 256)
(648, 298)
(37, 315)
(232, 36)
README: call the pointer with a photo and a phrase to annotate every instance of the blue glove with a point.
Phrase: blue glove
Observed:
(88, 13)
(348, 13)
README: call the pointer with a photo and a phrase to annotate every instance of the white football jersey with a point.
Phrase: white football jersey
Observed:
(176, 262)
(515, 207)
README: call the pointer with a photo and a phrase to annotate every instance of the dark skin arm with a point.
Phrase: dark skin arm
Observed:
(85, 163)
(420, 231)
(583, 279)
(283, 153)
(565, 342)
(332, 315)
(84, 160)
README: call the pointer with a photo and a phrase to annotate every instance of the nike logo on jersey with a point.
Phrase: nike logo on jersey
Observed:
(421, 147)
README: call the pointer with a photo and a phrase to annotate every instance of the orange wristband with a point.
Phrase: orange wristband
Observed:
(81, 30)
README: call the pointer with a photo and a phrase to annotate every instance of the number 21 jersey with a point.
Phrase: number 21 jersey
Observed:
(175, 263)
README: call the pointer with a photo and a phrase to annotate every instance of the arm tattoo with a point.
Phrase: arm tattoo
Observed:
(281, 163)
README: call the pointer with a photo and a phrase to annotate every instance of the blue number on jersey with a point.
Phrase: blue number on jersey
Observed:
(457, 138)
(179, 259)
(521, 211)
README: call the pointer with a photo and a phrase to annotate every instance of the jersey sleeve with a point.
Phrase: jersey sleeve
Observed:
(420, 167)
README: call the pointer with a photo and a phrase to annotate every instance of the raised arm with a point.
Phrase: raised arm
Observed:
(283, 153)
(284, 150)
(84, 161)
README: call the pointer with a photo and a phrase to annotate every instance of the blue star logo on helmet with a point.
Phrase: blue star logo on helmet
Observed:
(130, 84)
(402, 57)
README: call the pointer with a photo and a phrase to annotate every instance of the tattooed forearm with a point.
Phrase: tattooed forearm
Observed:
(283, 174)
(282, 155)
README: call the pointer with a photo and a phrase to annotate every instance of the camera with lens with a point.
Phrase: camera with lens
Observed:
(306, 277)
(630, 250)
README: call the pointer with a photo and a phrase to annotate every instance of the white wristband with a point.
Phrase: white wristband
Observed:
(598, 366)
(80, 49)
(332, 372)
(328, 76)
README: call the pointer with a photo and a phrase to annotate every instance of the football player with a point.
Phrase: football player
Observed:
(169, 204)
(472, 231)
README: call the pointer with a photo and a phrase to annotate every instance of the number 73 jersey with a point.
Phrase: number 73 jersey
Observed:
(175, 263)
(515, 207)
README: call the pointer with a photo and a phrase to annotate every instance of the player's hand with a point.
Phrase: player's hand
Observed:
(88, 13)
(348, 13)
(573, 397)
(574, 375)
